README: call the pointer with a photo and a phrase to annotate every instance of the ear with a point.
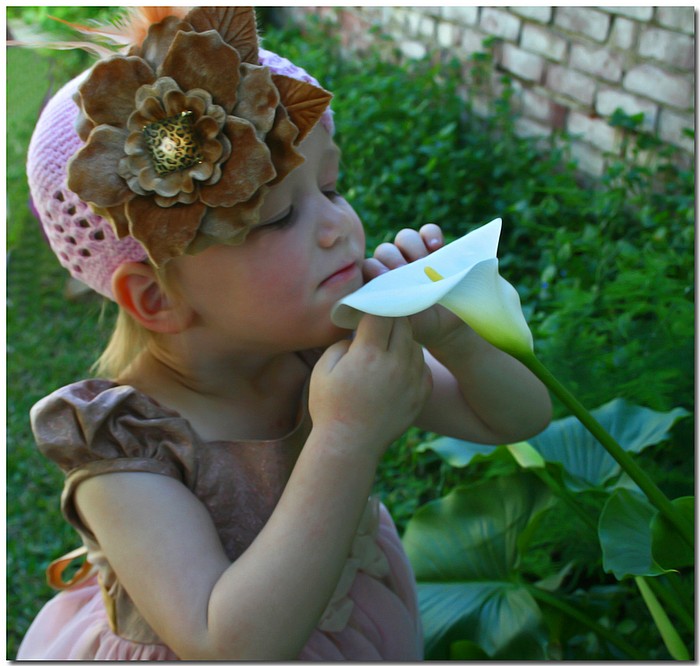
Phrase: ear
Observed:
(137, 291)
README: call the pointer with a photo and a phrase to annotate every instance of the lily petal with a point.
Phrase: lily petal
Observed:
(469, 285)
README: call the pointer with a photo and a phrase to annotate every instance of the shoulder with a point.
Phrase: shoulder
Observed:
(97, 419)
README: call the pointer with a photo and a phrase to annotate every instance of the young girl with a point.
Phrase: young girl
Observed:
(255, 425)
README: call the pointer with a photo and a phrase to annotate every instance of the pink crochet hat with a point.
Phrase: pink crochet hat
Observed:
(91, 245)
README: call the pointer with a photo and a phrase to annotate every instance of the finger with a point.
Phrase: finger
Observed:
(432, 236)
(411, 244)
(374, 331)
(389, 255)
(372, 268)
(401, 334)
(331, 357)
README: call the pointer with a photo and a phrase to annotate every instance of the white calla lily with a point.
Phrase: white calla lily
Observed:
(462, 276)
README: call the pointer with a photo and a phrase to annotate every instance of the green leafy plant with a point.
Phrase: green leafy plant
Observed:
(565, 469)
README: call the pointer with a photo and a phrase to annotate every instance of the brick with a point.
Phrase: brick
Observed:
(660, 85)
(539, 14)
(599, 62)
(671, 126)
(571, 83)
(521, 63)
(588, 22)
(472, 41)
(530, 128)
(668, 47)
(590, 160)
(607, 101)
(446, 35)
(594, 131)
(542, 41)
(540, 107)
(677, 18)
(499, 23)
(637, 13)
(461, 15)
(410, 48)
(623, 33)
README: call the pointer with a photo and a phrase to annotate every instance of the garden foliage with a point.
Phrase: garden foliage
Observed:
(517, 549)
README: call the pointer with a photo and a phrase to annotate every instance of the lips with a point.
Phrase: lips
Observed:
(343, 274)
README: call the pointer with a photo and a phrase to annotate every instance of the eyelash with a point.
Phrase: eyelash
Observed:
(289, 217)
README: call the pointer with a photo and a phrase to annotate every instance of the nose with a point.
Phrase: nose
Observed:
(334, 220)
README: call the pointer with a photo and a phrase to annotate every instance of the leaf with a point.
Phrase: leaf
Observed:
(236, 25)
(667, 546)
(471, 534)
(466, 651)
(625, 535)
(459, 452)
(463, 549)
(526, 455)
(304, 102)
(492, 615)
(568, 443)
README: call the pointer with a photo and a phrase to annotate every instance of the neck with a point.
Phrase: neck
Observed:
(224, 396)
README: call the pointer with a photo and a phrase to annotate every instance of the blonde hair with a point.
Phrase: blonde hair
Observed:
(129, 338)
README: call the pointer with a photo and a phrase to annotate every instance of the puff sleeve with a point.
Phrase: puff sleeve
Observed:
(98, 427)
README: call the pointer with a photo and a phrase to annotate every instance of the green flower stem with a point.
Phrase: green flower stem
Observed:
(671, 599)
(635, 472)
(564, 495)
(668, 632)
(566, 608)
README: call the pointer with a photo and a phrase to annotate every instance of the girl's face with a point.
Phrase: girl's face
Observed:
(275, 291)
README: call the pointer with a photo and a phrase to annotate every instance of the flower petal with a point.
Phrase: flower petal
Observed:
(100, 155)
(281, 140)
(164, 232)
(236, 25)
(107, 95)
(204, 60)
(160, 36)
(491, 306)
(468, 284)
(305, 103)
(245, 171)
(258, 98)
(228, 226)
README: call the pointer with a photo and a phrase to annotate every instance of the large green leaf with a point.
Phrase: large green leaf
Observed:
(625, 535)
(568, 443)
(464, 549)
(667, 546)
(459, 452)
(472, 533)
(497, 616)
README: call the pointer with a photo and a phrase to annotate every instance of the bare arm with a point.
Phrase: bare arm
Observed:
(163, 546)
(479, 392)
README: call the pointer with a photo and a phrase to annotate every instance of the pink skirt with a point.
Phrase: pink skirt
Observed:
(384, 623)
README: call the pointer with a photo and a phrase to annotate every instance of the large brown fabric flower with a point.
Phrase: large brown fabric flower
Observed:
(184, 134)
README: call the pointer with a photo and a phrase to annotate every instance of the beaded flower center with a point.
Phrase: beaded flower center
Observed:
(172, 143)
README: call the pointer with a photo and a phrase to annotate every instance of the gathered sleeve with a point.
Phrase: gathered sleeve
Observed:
(98, 427)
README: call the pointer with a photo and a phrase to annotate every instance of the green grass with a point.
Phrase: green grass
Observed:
(51, 341)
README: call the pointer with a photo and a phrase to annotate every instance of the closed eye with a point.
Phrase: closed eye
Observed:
(280, 222)
(331, 193)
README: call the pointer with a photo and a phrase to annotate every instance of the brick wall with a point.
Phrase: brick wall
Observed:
(571, 66)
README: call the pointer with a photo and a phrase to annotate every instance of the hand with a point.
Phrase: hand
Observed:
(373, 387)
(434, 325)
